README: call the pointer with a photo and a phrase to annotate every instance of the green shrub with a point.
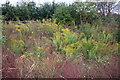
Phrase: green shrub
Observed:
(65, 38)
(3, 40)
(90, 42)
(62, 15)
(17, 46)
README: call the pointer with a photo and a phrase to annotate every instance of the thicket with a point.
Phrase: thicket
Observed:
(75, 13)
(27, 11)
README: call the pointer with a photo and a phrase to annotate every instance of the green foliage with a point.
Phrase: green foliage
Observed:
(92, 32)
(78, 11)
(83, 12)
(75, 13)
(2, 40)
(17, 46)
(37, 51)
(62, 14)
(28, 11)
(90, 42)
(22, 11)
(49, 26)
(8, 11)
(32, 10)
(116, 35)
(65, 38)
(47, 10)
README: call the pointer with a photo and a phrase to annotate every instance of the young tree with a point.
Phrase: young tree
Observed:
(62, 14)
(105, 8)
(84, 12)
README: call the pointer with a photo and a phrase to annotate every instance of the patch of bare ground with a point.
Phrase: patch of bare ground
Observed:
(9, 69)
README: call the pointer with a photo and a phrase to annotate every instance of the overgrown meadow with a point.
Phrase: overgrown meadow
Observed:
(47, 49)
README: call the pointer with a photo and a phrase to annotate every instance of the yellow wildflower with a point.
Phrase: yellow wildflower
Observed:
(43, 20)
(30, 22)
(22, 57)
(75, 26)
(48, 25)
(25, 28)
(19, 22)
(18, 30)
(65, 29)
(38, 48)
(84, 39)
(71, 50)
(56, 25)
(16, 26)
(21, 41)
(10, 22)
(32, 32)
(37, 20)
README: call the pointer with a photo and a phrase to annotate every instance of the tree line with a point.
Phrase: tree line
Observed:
(75, 13)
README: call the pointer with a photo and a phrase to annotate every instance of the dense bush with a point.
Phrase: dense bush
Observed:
(27, 11)
(84, 12)
(8, 11)
(62, 14)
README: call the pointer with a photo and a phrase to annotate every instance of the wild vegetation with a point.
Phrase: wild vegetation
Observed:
(59, 41)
